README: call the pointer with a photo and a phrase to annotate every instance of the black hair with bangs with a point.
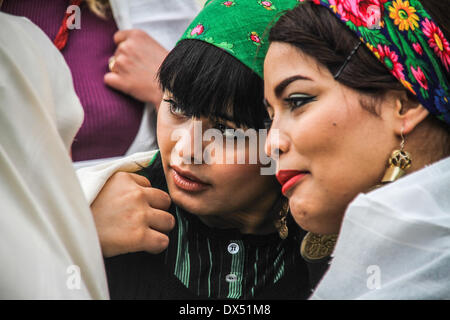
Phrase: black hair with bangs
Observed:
(206, 81)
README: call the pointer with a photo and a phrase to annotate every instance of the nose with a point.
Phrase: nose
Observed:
(277, 142)
(189, 146)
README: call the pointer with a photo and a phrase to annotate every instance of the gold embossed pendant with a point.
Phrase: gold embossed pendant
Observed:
(316, 247)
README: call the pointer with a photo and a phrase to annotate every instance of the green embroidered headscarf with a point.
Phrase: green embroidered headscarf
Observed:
(240, 27)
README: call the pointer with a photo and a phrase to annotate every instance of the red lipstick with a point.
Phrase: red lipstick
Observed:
(289, 178)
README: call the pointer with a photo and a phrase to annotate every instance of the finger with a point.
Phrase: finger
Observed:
(124, 48)
(115, 80)
(161, 221)
(122, 63)
(154, 242)
(120, 36)
(141, 180)
(157, 199)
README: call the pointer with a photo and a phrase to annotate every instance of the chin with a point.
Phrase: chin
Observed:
(311, 220)
(299, 214)
(190, 204)
(302, 222)
(316, 227)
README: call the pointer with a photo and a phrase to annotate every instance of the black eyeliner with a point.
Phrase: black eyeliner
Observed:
(305, 99)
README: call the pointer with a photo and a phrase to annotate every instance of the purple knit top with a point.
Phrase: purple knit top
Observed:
(112, 119)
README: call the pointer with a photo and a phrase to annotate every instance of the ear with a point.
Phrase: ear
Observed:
(408, 114)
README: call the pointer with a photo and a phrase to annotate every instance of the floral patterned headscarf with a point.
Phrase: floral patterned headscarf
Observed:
(404, 37)
(240, 27)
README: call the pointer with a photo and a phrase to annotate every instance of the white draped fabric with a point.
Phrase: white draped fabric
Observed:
(395, 241)
(49, 247)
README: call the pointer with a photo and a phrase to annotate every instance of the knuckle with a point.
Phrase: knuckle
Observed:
(171, 221)
(161, 242)
(123, 47)
(145, 182)
(118, 35)
(137, 239)
(164, 198)
(137, 33)
(157, 243)
(120, 175)
(168, 200)
(121, 60)
(139, 235)
(136, 194)
(167, 219)
(135, 219)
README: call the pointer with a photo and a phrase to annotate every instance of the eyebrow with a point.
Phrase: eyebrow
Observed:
(283, 84)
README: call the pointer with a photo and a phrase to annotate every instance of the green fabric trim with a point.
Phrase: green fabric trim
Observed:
(237, 268)
(210, 269)
(153, 158)
(279, 265)
(182, 266)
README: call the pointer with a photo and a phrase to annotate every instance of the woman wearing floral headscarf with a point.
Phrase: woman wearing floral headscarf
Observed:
(358, 92)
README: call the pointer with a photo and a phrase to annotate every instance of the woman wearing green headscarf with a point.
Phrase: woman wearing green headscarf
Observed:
(232, 236)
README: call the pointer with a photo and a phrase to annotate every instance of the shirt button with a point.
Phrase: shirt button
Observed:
(233, 248)
(230, 277)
